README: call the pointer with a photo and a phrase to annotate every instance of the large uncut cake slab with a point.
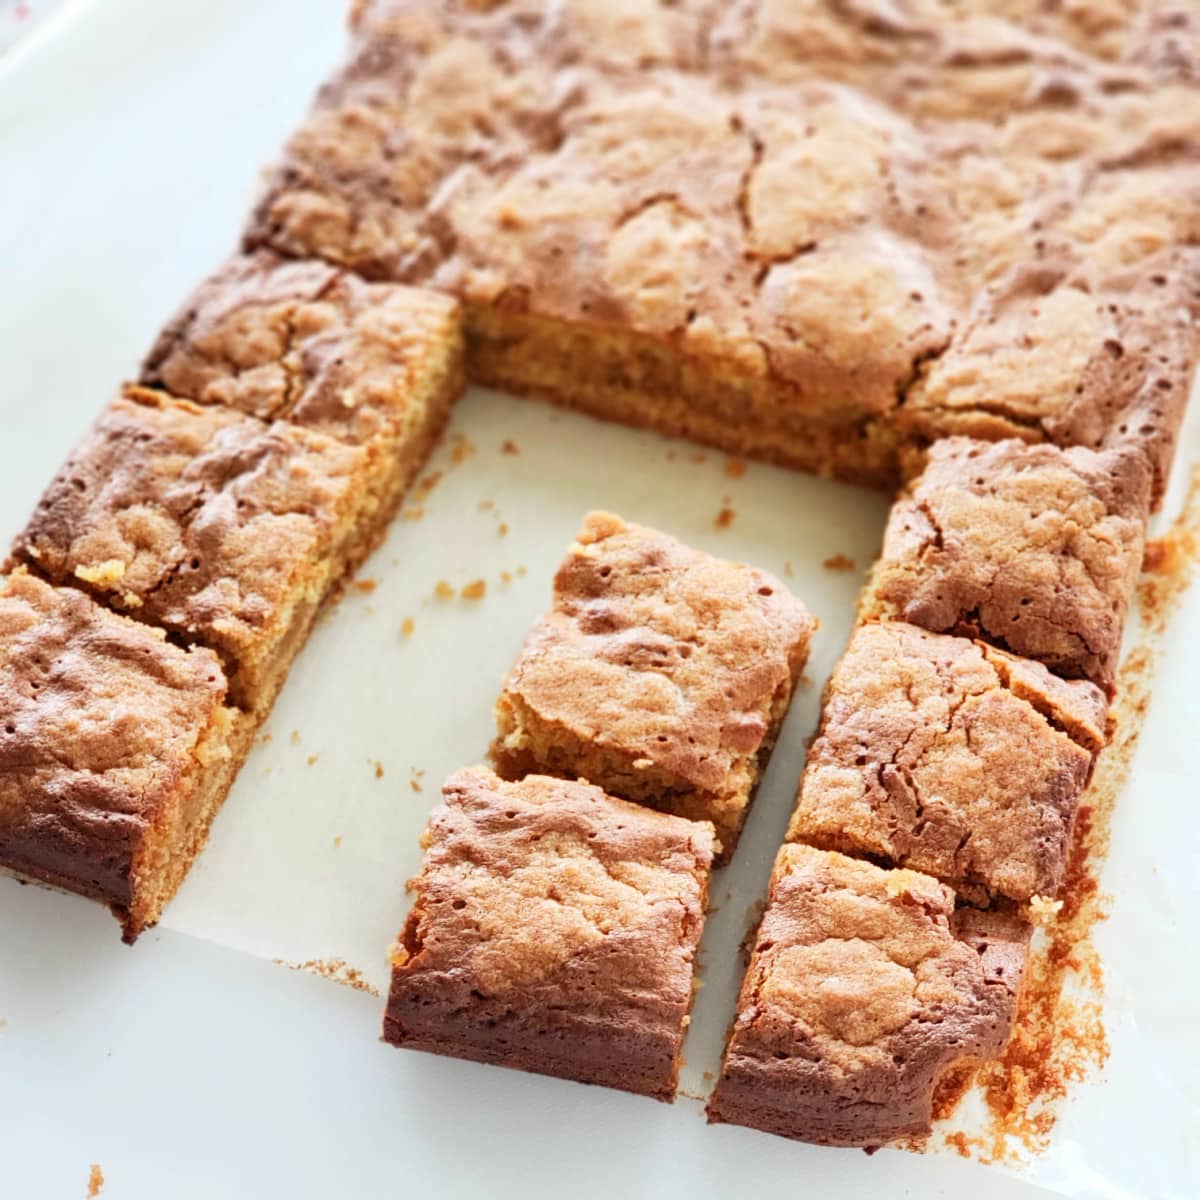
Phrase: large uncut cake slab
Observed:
(791, 231)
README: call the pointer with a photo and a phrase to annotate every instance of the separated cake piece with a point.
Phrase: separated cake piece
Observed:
(660, 674)
(950, 757)
(223, 530)
(116, 750)
(865, 991)
(370, 364)
(1031, 548)
(554, 930)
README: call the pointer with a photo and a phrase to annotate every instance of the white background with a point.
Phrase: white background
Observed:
(131, 135)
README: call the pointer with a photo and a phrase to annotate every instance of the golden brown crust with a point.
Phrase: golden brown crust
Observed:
(554, 930)
(818, 202)
(660, 673)
(111, 738)
(1032, 548)
(213, 525)
(859, 997)
(304, 342)
(950, 757)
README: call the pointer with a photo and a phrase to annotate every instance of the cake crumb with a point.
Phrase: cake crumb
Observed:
(520, 571)
(378, 768)
(510, 447)
(295, 739)
(1043, 910)
(475, 590)
(839, 562)
(415, 776)
(443, 590)
(312, 759)
(461, 449)
(265, 737)
(735, 468)
(506, 577)
(338, 970)
(413, 514)
(724, 518)
(407, 626)
(484, 505)
(502, 530)
(337, 841)
(95, 1181)
(427, 484)
(366, 586)
(787, 569)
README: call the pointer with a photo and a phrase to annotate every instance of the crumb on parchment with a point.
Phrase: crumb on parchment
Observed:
(475, 590)
(724, 518)
(407, 626)
(839, 562)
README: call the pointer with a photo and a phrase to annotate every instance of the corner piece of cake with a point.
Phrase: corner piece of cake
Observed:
(660, 673)
(951, 757)
(220, 528)
(554, 930)
(863, 995)
(1029, 547)
(116, 750)
(301, 341)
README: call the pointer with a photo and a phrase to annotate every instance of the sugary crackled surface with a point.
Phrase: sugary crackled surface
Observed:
(1033, 548)
(197, 518)
(548, 892)
(858, 995)
(832, 194)
(303, 341)
(100, 718)
(945, 755)
(674, 663)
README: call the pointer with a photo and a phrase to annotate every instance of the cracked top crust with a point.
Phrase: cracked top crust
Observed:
(549, 892)
(197, 518)
(950, 757)
(305, 342)
(1032, 548)
(678, 662)
(858, 997)
(828, 194)
(100, 719)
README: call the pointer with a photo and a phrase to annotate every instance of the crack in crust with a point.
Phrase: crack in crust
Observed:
(864, 991)
(950, 757)
(1031, 548)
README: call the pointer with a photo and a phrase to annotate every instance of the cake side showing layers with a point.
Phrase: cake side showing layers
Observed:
(660, 673)
(1031, 548)
(213, 525)
(950, 757)
(116, 750)
(859, 999)
(765, 227)
(554, 930)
